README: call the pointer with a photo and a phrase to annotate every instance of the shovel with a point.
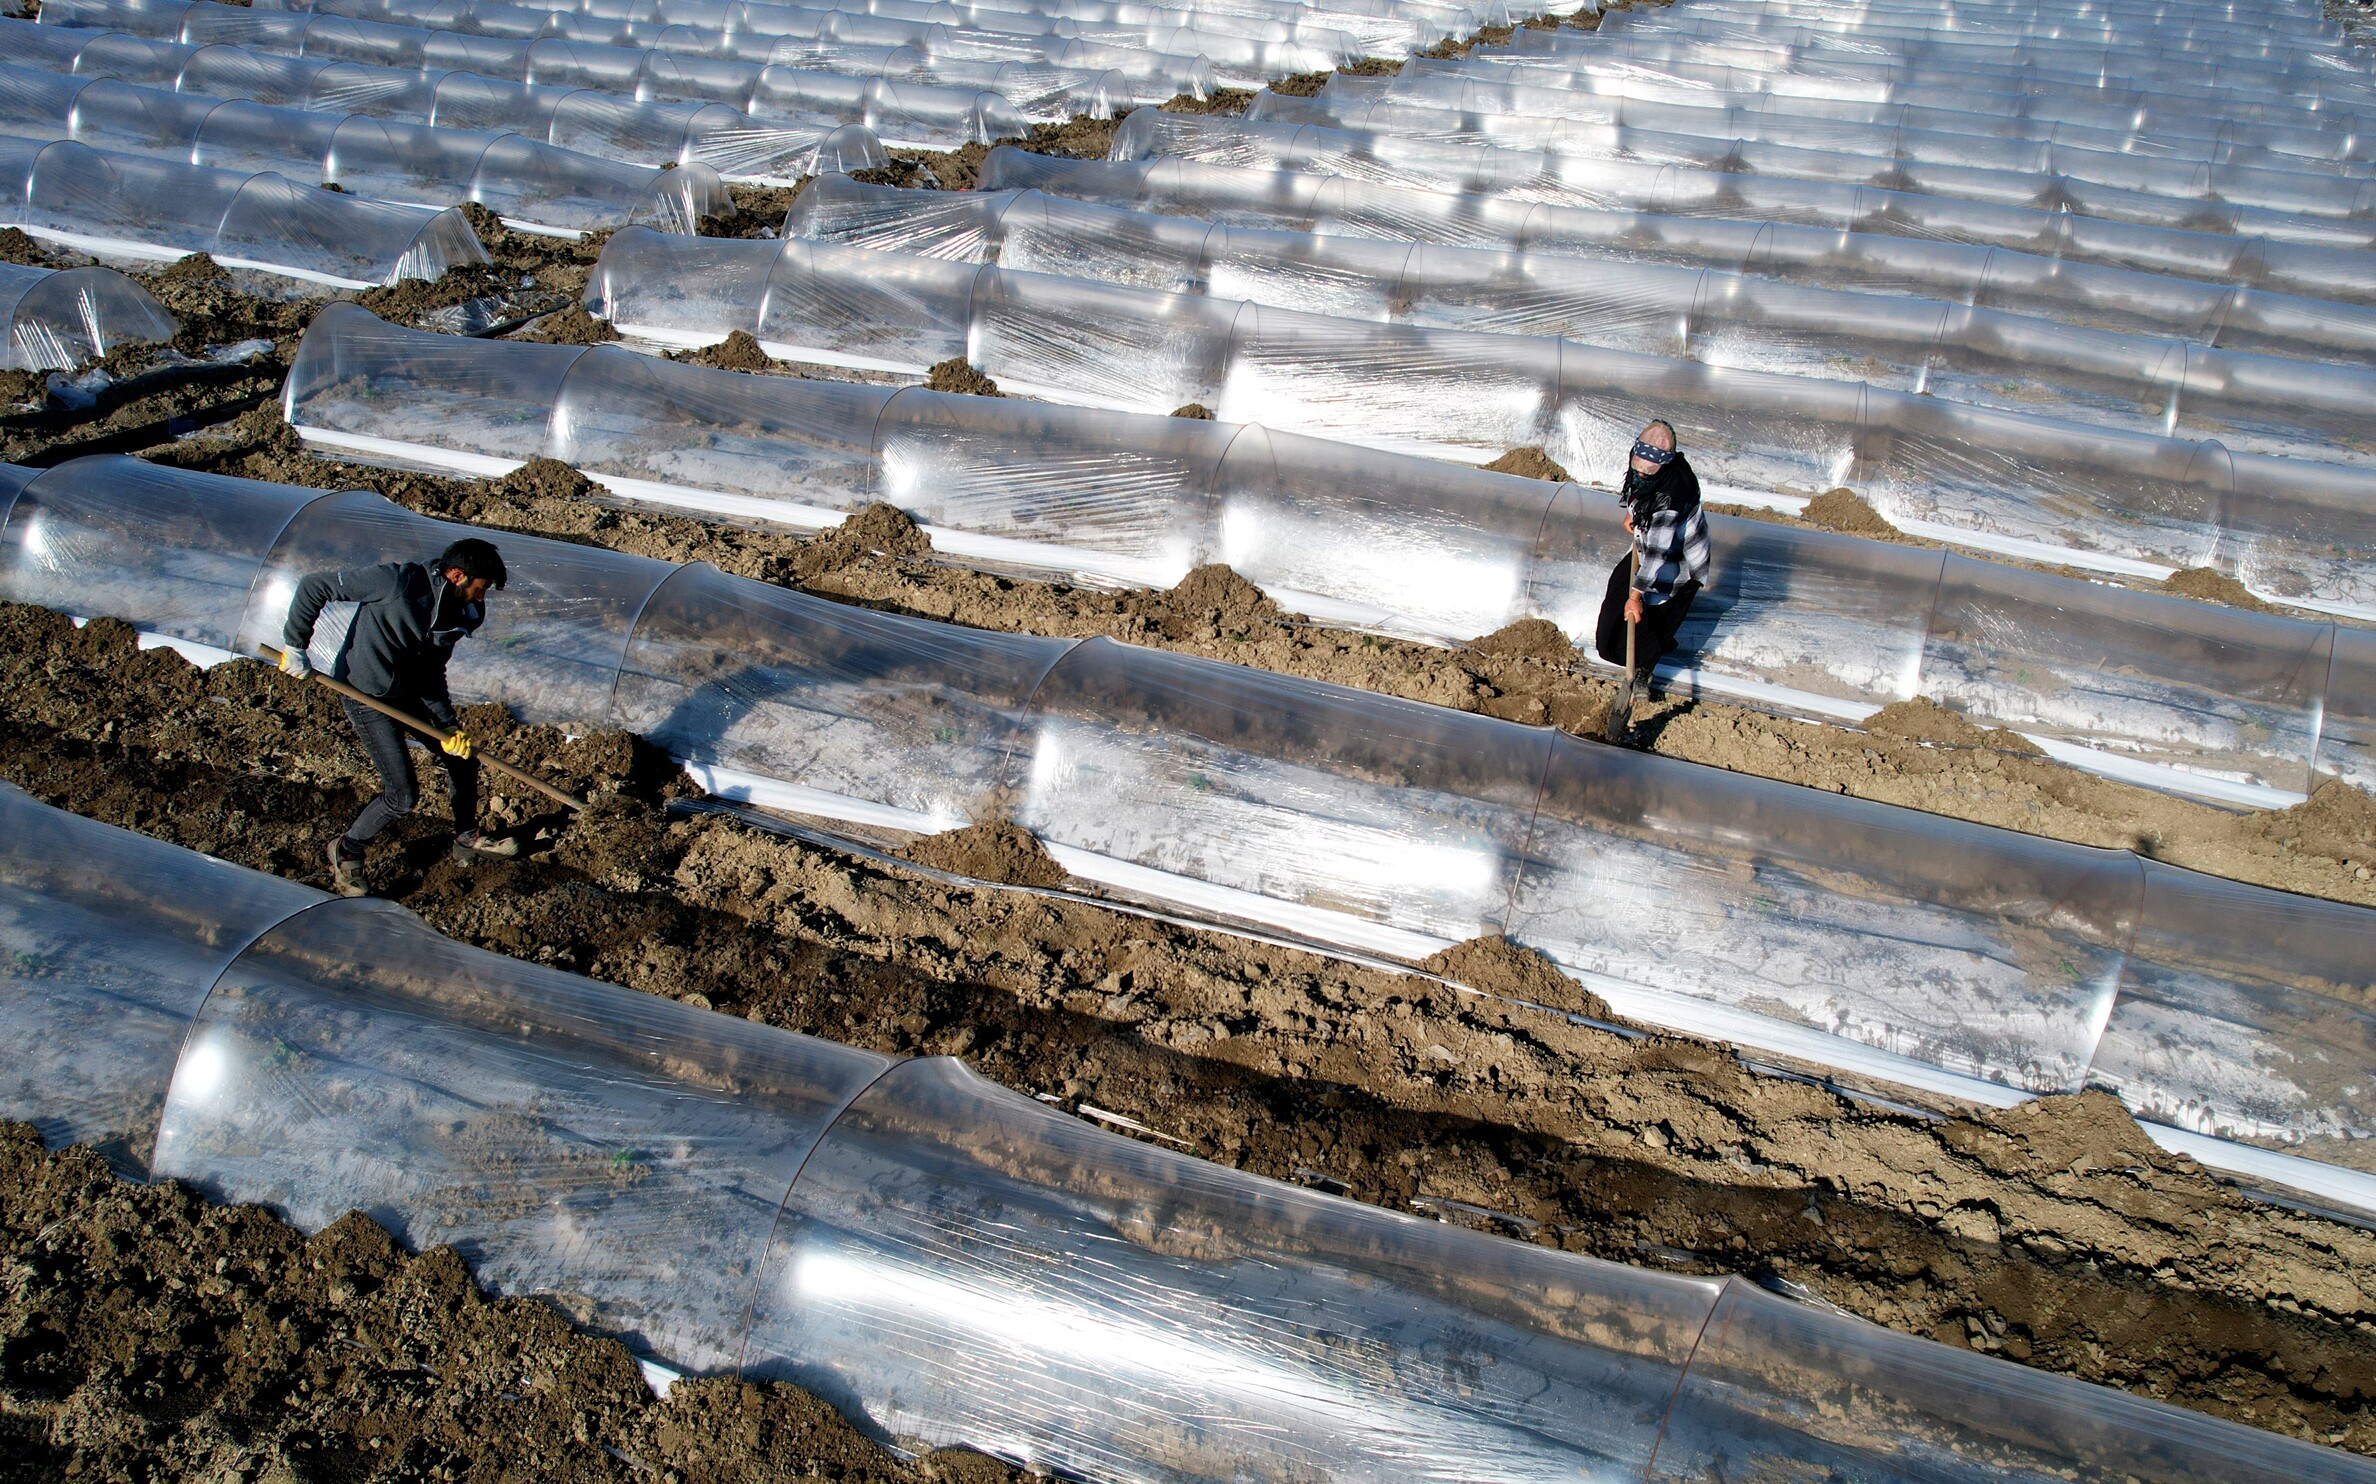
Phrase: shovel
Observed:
(433, 734)
(1621, 710)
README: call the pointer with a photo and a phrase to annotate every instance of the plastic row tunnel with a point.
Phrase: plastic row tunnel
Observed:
(1884, 943)
(947, 1261)
(574, 117)
(60, 318)
(2248, 708)
(2013, 482)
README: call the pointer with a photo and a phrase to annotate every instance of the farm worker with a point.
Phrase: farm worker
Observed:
(1652, 585)
(408, 618)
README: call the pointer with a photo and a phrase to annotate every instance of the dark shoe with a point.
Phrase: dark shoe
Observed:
(473, 846)
(346, 870)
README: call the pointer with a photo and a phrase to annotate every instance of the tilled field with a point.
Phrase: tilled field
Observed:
(2055, 1233)
(173, 1340)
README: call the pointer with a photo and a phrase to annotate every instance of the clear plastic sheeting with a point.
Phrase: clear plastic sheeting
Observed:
(1884, 942)
(526, 182)
(948, 1262)
(2093, 182)
(131, 208)
(725, 139)
(2264, 403)
(2009, 481)
(2241, 704)
(2290, 254)
(58, 319)
(793, 74)
(2238, 314)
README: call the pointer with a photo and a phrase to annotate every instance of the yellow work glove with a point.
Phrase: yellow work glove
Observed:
(457, 745)
(294, 662)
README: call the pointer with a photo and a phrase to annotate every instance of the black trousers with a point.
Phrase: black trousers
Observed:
(385, 741)
(1654, 636)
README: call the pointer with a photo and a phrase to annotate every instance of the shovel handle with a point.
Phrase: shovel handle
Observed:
(434, 734)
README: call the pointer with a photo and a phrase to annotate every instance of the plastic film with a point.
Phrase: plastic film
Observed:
(58, 319)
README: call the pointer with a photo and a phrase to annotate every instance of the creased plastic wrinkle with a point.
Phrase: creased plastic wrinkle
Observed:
(1824, 624)
(409, 165)
(1991, 477)
(1886, 943)
(2235, 312)
(611, 128)
(2250, 401)
(138, 209)
(945, 1260)
(59, 319)
(2323, 259)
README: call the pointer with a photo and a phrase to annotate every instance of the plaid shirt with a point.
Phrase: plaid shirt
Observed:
(1670, 531)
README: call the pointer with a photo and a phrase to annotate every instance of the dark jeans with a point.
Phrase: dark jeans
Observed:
(385, 740)
(1654, 636)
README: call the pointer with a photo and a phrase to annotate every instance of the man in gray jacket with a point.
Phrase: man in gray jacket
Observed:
(408, 617)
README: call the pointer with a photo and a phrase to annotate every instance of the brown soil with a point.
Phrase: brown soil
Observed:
(1528, 463)
(16, 247)
(2213, 587)
(546, 479)
(739, 351)
(1228, 102)
(1498, 966)
(2053, 1234)
(1925, 720)
(957, 374)
(152, 1335)
(1536, 639)
(1221, 597)
(989, 852)
(570, 326)
(1197, 410)
(1845, 511)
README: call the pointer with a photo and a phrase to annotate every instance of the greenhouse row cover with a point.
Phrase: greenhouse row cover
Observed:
(1484, 84)
(529, 184)
(1938, 162)
(58, 319)
(1143, 58)
(2006, 481)
(2291, 254)
(1882, 942)
(2234, 311)
(949, 1262)
(2250, 401)
(134, 208)
(763, 89)
(2250, 708)
(724, 139)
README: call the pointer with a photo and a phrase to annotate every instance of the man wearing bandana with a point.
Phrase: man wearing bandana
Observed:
(1652, 587)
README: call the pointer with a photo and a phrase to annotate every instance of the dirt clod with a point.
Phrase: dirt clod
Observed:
(1925, 720)
(1498, 966)
(739, 351)
(1528, 463)
(17, 247)
(989, 852)
(547, 479)
(1218, 591)
(2206, 585)
(571, 326)
(1196, 410)
(1528, 638)
(1845, 511)
(957, 374)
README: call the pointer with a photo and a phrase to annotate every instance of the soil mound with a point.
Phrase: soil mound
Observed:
(155, 1335)
(1528, 638)
(1528, 463)
(547, 479)
(2207, 586)
(956, 374)
(739, 351)
(1925, 720)
(1496, 965)
(17, 247)
(989, 852)
(1221, 595)
(1196, 410)
(1229, 102)
(2336, 820)
(571, 326)
(1843, 510)
(870, 529)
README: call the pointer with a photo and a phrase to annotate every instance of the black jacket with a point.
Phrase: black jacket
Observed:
(408, 619)
(1670, 532)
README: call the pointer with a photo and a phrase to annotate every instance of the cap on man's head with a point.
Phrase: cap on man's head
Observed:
(474, 558)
